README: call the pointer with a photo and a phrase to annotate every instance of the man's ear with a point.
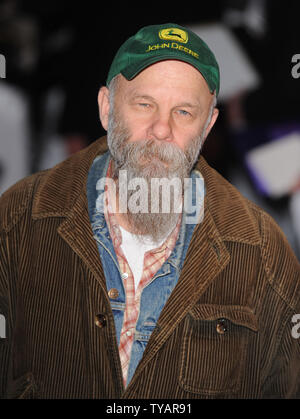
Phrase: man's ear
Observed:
(103, 103)
(212, 122)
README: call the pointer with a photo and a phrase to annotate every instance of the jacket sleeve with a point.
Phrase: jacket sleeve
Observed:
(13, 204)
(283, 271)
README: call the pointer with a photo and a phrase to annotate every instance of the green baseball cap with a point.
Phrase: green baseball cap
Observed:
(165, 42)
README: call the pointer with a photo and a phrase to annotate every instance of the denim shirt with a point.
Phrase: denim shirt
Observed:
(155, 294)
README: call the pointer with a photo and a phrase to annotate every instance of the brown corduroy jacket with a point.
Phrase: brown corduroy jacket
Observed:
(227, 331)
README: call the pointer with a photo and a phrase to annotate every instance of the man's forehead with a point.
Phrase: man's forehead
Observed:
(192, 93)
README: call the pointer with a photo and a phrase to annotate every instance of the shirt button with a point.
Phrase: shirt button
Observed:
(221, 326)
(124, 275)
(113, 293)
(128, 333)
(100, 320)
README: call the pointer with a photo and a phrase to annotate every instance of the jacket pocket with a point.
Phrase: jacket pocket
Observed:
(214, 348)
(23, 387)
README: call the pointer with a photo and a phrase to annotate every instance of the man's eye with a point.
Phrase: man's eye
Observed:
(144, 105)
(183, 112)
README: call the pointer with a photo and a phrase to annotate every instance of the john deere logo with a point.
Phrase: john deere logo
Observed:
(174, 34)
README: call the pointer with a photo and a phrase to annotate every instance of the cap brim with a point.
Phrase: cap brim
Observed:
(130, 72)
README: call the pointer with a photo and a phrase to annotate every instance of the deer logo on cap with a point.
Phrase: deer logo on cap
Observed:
(174, 34)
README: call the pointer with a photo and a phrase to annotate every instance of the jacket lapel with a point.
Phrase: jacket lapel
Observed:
(62, 193)
(77, 232)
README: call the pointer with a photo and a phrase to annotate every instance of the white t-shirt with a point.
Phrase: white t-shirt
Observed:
(134, 252)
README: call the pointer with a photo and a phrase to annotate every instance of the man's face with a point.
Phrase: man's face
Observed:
(168, 102)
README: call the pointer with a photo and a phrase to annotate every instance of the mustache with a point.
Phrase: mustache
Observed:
(137, 154)
(149, 150)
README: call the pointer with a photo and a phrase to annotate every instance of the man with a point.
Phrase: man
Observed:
(106, 294)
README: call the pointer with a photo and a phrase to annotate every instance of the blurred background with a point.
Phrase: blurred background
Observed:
(57, 55)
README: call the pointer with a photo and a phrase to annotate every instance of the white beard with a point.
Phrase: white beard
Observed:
(148, 160)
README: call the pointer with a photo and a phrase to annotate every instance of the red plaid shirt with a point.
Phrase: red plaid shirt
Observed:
(153, 261)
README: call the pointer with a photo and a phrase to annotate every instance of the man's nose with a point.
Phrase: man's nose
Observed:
(161, 127)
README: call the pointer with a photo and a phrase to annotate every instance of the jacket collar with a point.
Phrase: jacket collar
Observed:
(227, 217)
(62, 186)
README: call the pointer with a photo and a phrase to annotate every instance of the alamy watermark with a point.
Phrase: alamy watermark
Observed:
(296, 67)
(2, 327)
(296, 328)
(2, 67)
(163, 195)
